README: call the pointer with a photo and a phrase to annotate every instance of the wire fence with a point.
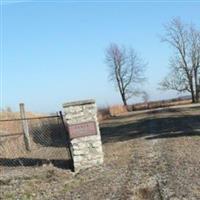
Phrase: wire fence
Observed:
(48, 143)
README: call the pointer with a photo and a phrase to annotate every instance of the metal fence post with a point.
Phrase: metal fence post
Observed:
(68, 140)
(25, 127)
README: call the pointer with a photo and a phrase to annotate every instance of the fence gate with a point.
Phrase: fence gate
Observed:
(34, 141)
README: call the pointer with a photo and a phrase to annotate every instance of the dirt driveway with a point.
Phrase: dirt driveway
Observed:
(153, 155)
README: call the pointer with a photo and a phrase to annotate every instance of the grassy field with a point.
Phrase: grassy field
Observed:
(152, 155)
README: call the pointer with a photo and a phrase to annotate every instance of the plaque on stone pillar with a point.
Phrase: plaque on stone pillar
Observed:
(82, 129)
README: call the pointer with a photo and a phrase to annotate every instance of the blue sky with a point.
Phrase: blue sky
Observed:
(53, 52)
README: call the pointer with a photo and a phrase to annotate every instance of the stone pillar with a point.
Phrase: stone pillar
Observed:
(85, 138)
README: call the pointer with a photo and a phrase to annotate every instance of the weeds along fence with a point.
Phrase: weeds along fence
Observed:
(47, 140)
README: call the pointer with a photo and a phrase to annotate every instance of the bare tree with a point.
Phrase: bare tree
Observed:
(8, 109)
(145, 97)
(185, 63)
(126, 70)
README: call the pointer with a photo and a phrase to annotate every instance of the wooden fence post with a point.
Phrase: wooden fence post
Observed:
(25, 127)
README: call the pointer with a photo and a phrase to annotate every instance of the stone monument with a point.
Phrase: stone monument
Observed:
(84, 133)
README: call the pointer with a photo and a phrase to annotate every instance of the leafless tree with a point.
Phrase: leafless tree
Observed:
(8, 109)
(145, 97)
(126, 70)
(185, 63)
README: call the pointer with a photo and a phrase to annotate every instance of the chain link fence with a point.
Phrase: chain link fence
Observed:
(48, 143)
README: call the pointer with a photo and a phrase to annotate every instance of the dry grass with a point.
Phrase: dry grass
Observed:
(11, 136)
(13, 126)
(159, 104)
(15, 115)
(116, 110)
(102, 114)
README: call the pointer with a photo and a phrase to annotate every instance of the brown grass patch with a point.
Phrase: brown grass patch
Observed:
(117, 109)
